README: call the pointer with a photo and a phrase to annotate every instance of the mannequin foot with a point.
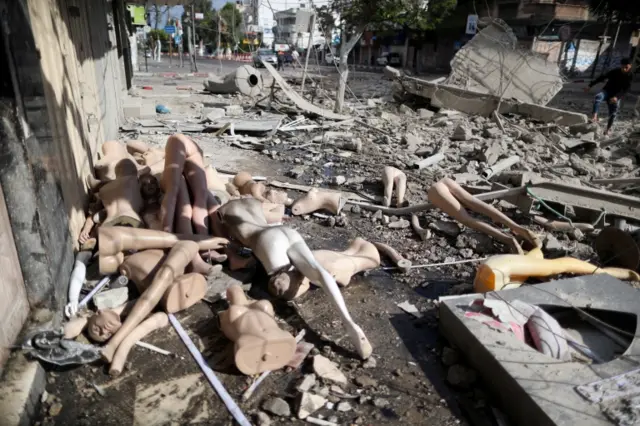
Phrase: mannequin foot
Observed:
(318, 200)
(360, 341)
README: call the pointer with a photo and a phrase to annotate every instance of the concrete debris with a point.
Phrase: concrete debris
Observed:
(404, 109)
(491, 132)
(411, 141)
(309, 403)
(233, 110)
(370, 363)
(450, 356)
(493, 63)
(245, 80)
(459, 375)
(400, 224)
(262, 419)
(425, 113)
(307, 382)
(409, 308)
(338, 180)
(277, 406)
(328, 370)
(366, 381)
(380, 402)
(450, 229)
(344, 406)
(461, 133)
(213, 114)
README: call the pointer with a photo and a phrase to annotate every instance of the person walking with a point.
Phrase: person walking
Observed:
(280, 59)
(617, 85)
(295, 55)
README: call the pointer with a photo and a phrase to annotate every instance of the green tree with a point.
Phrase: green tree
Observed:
(359, 15)
(206, 29)
(158, 34)
(231, 19)
(326, 21)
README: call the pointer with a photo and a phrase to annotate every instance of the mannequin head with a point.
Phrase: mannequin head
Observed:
(149, 187)
(241, 179)
(103, 325)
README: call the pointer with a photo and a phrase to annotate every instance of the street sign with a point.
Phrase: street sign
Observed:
(177, 39)
(472, 24)
(199, 16)
(170, 29)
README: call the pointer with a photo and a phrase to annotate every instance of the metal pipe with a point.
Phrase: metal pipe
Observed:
(500, 166)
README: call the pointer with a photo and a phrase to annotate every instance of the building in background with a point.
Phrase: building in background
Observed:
(292, 28)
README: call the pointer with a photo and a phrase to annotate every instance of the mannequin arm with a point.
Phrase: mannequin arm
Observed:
(75, 283)
(155, 321)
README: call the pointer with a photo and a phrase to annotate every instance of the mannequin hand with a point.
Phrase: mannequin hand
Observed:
(613, 100)
(71, 310)
(215, 243)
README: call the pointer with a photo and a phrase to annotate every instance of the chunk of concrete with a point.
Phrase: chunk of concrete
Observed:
(533, 388)
(461, 133)
(492, 63)
(309, 403)
(277, 406)
(110, 299)
(213, 113)
(328, 370)
(233, 110)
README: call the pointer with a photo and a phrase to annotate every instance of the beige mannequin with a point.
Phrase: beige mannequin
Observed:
(85, 232)
(186, 290)
(122, 201)
(115, 240)
(279, 248)
(393, 177)
(178, 258)
(512, 270)
(247, 186)
(214, 183)
(449, 197)
(115, 162)
(396, 258)
(260, 345)
(155, 321)
(101, 325)
(360, 256)
(273, 212)
(318, 200)
(184, 156)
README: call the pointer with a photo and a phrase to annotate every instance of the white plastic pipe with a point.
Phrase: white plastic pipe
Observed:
(93, 292)
(231, 405)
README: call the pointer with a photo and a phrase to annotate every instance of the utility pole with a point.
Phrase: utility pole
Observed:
(190, 40)
(306, 59)
(193, 31)
(219, 30)
(602, 40)
(613, 46)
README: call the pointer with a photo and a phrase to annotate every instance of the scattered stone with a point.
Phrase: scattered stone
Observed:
(392, 118)
(450, 229)
(480, 243)
(380, 402)
(411, 141)
(338, 180)
(491, 132)
(533, 138)
(262, 419)
(377, 216)
(461, 133)
(492, 153)
(371, 103)
(109, 299)
(328, 370)
(400, 224)
(277, 406)
(406, 110)
(450, 356)
(344, 406)
(308, 381)
(370, 363)
(213, 114)
(425, 113)
(55, 409)
(551, 243)
(356, 209)
(234, 110)
(582, 166)
(297, 172)
(366, 381)
(309, 403)
(459, 375)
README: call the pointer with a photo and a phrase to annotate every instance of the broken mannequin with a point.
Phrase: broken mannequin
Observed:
(186, 290)
(318, 200)
(122, 202)
(100, 326)
(403, 264)
(393, 177)
(178, 258)
(360, 256)
(278, 248)
(259, 344)
(114, 162)
(507, 271)
(452, 199)
(247, 186)
(183, 157)
(114, 241)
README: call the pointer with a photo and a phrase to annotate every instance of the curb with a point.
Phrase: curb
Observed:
(22, 387)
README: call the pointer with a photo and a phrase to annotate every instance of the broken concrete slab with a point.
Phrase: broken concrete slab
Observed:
(261, 125)
(301, 102)
(474, 103)
(328, 370)
(245, 79)
(533, 388)
(493, 63)
(309, 403)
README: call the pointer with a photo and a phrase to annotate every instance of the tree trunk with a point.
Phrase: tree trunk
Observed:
(345, 49)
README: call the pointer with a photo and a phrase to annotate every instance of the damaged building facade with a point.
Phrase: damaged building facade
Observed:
(65, 67)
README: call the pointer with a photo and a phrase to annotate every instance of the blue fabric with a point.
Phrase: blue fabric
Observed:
(603, 96)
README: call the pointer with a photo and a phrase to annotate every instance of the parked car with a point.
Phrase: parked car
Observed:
(266, 55)
(331, 59)
(389, 58)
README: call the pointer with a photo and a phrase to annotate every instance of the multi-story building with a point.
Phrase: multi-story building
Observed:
(289, 24)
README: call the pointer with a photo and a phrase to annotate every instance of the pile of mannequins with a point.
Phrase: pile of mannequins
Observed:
(166, 221)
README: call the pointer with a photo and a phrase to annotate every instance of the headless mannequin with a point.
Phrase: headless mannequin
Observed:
(115, 162)
(178, 258)
(278, 248)
(273, 212)
(185, 291)
(318, 200)
(260, 345)
(247, 186)
(360, 256)
(122, 202)
(393, 177)
(396, 258)
(184, 156)
(449, 197)
(512, 270)
(116, 240)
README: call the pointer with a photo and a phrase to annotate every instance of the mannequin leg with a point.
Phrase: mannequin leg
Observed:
(183, 209)
(446, 199)
(197, 179)
(401, 188)
(496, 215)
(302, 258)
(388, 190)
(171, 177)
